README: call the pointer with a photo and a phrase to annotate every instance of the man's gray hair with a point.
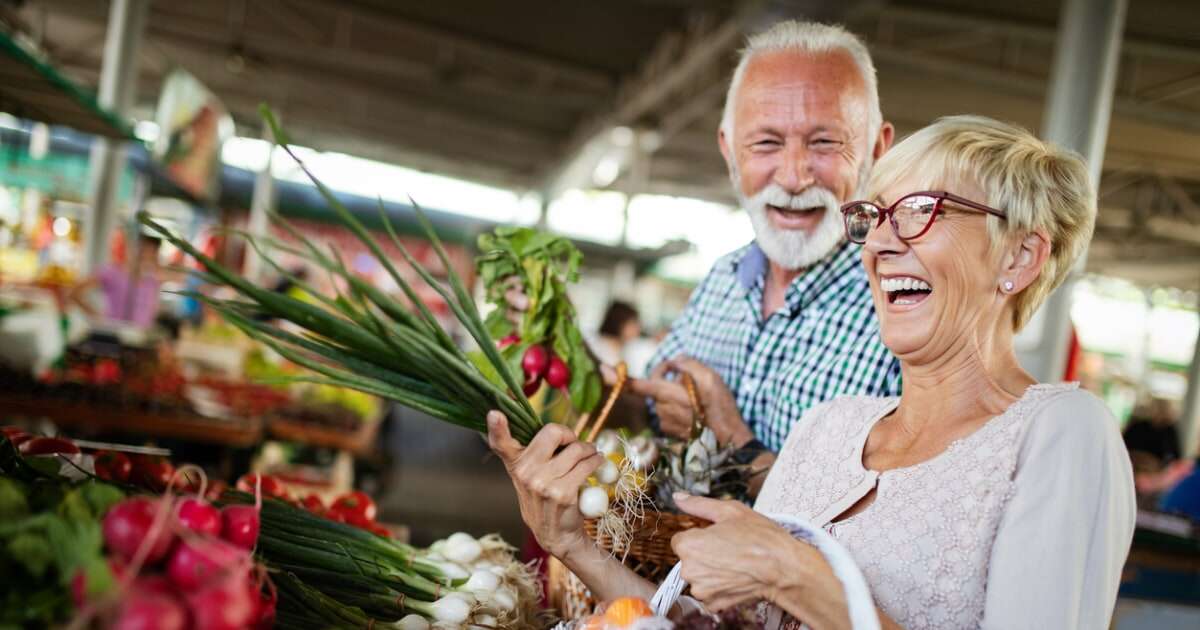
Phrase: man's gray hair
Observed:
(814, 38)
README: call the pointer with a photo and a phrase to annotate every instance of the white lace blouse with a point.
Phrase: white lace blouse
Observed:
(1024, 523)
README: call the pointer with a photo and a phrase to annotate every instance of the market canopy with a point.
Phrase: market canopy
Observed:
(32, 88)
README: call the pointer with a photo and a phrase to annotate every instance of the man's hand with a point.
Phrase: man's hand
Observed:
(547, 483)
(675, 410)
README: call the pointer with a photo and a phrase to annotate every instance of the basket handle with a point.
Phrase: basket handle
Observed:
(863, 615)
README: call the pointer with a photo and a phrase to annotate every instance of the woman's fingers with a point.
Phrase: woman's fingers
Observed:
(500, 439)
(567, 459)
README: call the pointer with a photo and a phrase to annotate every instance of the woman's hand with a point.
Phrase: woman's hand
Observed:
(745, 557)
(547, 483)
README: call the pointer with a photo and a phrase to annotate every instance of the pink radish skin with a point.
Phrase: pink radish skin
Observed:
(128, 524)
(224, 605)
(558, 375)
(511, 339)
(144, 610)
(197, 563)
(239, 525)
(535, 362)
(197, 515)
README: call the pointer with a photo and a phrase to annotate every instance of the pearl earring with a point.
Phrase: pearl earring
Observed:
(1008, 286)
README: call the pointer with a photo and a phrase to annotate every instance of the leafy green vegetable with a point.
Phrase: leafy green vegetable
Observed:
(543, 264)
(32, 551)
(13, 504)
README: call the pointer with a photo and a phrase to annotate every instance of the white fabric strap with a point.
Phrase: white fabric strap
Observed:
(863, 615)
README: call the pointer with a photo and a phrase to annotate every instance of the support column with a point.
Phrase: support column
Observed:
(118, 86)
(262, 203)
(1077, 114)
(1189, 418)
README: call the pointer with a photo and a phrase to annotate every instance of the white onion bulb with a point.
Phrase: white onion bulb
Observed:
(482, 582)
(413, 622)
(503, 600)
(608, 472)
(462, 548)
(593, 501)
(607, 441)
(451, 609)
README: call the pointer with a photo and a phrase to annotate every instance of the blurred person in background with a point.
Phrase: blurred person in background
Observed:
(130, 292)
(1152, 431)
(620, 339)
(786, 322)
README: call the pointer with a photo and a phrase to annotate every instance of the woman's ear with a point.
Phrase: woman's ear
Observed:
(1024, 262)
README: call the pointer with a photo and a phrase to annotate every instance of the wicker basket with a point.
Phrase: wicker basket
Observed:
(648, 553)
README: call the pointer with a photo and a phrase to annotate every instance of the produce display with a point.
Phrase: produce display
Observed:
(99, 553)
(332, 574)
(366, 340)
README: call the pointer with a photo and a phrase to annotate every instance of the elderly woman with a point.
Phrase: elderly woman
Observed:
(978, 498)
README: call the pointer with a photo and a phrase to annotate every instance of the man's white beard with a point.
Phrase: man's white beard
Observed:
(795, 249)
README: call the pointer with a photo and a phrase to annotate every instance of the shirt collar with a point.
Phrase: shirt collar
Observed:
(751, 268)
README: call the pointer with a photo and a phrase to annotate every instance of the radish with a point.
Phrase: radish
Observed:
(226, 604)
(511, 339)
(535, 362)
(129, 524)
(239, 525)
(196, 563)
(148, 610)
(197, 515)
(558, 375)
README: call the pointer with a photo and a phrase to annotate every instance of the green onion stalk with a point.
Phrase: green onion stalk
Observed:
(362, 338)
(339, 575)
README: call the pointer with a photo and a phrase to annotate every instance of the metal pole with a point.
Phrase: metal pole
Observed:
(1189, 418)
(1077, 113)
(262, 203)
(118, 83)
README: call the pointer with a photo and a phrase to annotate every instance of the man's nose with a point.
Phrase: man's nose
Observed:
(795, 172)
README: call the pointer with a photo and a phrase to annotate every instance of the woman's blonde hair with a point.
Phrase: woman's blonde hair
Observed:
(1039, 186)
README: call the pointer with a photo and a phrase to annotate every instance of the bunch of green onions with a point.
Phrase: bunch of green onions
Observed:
(365, 340)
(342, 576)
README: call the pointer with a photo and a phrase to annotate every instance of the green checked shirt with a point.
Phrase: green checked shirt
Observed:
(822, 344)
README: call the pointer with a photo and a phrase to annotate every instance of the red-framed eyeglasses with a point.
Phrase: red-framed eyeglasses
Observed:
(910, 216)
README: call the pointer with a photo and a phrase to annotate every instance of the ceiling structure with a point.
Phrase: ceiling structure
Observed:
(522, 94)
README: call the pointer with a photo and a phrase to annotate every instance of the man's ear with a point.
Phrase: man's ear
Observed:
(723, 143)
(887, 134)
(1025, 260)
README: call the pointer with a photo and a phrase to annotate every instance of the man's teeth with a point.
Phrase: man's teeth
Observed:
(891, 285)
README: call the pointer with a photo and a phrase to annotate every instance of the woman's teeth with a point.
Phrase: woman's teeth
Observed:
(905, 290)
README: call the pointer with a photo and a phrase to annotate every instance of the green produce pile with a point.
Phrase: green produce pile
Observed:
(50, 542)
(543, 264)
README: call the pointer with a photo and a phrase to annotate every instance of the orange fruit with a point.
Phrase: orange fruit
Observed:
(592, 622)
(626, 610)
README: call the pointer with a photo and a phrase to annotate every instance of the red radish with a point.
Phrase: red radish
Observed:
(19, 439)
(530, 388)
(128, 525)
(215, 488)
(148, 610)
(197, 515)
(197, 563)
(226, 604)
(558, 375)
(271, 486)
(239, 525)
(510, 340)
(113, 466)
(534, 362)
(49, 446)
(10, 431)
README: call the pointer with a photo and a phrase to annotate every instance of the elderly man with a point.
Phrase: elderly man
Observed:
(786, 321)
